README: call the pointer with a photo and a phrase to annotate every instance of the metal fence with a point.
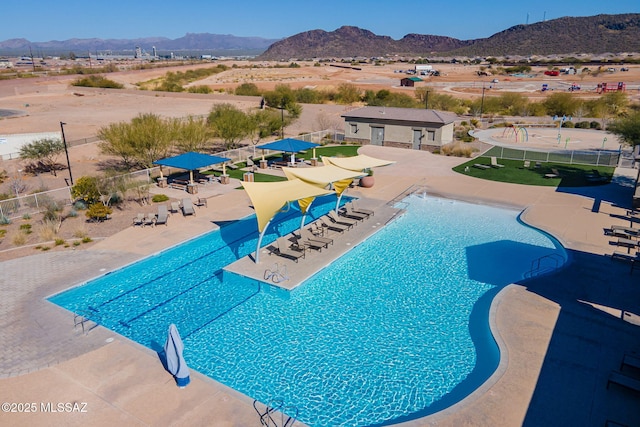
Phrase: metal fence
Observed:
(578, 157)
(35, 203)
(32, 204)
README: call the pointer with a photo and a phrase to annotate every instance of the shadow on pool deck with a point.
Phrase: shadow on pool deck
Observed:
(595, 327)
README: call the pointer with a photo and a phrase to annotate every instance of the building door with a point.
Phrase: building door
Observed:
(377, 135)
(417, 139)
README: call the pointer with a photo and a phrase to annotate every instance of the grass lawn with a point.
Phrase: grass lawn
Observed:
(331, 151)
(515, 172)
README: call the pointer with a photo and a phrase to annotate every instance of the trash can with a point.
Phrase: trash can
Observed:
(247, 177)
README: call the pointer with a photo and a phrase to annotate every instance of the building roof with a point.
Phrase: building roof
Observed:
(413, 79)
(400, 114)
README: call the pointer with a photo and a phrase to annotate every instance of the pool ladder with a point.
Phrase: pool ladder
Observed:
(273, 414)
(540, 266)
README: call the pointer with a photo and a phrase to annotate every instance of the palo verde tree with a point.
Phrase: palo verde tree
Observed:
(229, 124)
(147, 138)
(192, 134)
(43, 152)
(627, 128)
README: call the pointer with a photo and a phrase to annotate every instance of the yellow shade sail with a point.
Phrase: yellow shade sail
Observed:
(355, 163)
(268, 198)
(322, 175)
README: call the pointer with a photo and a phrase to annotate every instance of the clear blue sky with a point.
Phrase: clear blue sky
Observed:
(45, 20)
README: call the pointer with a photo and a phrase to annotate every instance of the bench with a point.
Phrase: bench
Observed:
(177, 186)
(481, 166)
(631, 361)
(623, 380)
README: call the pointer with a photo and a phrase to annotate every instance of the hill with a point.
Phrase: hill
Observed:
(594, 34)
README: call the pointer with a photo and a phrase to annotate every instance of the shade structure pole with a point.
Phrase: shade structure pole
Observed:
(304, 215)
(338, 201)
(264, 230)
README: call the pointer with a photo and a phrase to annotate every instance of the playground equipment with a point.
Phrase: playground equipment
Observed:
(604, 87)
(519, 132)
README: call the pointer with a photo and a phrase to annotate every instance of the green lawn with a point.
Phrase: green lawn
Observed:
(331, 151)
(515, 172)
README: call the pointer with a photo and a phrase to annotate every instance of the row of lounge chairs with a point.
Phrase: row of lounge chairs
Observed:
(628, 238)
(314, 237)
(162, 216)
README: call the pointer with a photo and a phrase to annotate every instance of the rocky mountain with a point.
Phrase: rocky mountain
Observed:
(202, 42)
(594, 34)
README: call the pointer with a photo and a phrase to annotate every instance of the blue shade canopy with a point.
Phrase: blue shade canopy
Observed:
(191, 161)
(288, 145)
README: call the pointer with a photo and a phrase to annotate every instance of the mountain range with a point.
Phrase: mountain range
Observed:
(568, 35)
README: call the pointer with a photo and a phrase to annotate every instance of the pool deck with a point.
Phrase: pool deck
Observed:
(560, 335)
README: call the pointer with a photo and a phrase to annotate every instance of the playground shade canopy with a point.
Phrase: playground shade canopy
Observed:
(288, 145)
(355, 163)
(191, 161)
(268, 198)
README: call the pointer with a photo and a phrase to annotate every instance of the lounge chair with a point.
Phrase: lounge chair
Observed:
(314, 242)
(526, 164)
(625, 256)
(360, 210)
(350, 213)
(317, 234)
(284, 249)
(175, 207)
(201, 202)
(163, 215)
(329, 224)
(627, 243)
(623, 380)
(333, 216)
(149, 219)
(187, 207)
(554, 174)
(139, 219)
(495, 164)
(622, 231)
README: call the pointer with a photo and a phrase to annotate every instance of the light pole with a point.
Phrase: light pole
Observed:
(66, 151)
(282, 119)
(426, 100)
(482, 103)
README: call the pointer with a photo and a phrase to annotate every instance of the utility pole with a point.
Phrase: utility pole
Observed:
(66, 151)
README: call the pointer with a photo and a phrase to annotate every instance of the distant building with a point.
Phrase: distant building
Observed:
(419, 129)
(410, 81)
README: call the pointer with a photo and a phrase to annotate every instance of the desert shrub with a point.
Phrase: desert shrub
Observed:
(72, 213)
(26, 216)
(19, 239)
(87, 239)
(199, 89)
(80, 205)
(595, 125)
(98, 211)
(4, 220)
(582, 125)
(48, 230)
(159, 198)
(59, 242)
(77, 243)
(45, 248)
(97, 81)
(52, 211)
(568, 125)
(80, 233)
(26, 228)
(3, 232)
(456, 150)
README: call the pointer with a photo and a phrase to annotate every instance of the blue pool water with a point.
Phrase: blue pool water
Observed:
(396, 329)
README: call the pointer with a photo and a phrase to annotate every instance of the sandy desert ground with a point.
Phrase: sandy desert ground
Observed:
(47, 101)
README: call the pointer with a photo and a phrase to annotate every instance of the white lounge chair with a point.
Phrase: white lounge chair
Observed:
(187, 207)
(495, 164)
(162, 215)
(310, 241)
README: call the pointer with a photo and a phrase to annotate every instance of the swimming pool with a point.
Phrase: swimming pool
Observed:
(396, 329)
